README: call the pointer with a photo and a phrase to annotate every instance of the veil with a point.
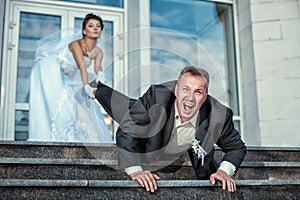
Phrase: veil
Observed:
(56, 41)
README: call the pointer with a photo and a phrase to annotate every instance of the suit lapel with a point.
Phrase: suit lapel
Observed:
(203, 121)
(169, 103)
(169, 126)
(203, 124)
(201, 131)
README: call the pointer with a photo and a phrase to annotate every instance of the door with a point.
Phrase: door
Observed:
(28, 23)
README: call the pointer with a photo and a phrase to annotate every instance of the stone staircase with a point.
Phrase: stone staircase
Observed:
(44, 170)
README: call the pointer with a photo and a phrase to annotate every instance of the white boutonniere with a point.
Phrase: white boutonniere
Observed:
(199, 151)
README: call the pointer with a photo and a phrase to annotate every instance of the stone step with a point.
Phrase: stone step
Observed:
(248, 170)
(45, 168)
(121, 189)
(24, 149)
(52, 170)
(272, 154)
(60, 150)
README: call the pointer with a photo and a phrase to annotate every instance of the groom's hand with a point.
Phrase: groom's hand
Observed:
(145, 179)
(226, 180)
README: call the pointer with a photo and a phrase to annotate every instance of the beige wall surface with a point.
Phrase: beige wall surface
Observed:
(274, 29)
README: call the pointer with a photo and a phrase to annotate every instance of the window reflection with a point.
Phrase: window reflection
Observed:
(113, 3)
(32, 28)
(196, 33)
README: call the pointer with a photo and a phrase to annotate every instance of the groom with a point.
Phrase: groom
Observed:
(170, 119)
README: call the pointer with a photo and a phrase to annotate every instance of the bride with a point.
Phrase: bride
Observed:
(62, 106)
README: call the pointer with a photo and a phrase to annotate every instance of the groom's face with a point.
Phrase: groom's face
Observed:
(191, 92)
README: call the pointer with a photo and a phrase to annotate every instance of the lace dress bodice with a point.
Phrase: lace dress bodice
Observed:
(70, 68)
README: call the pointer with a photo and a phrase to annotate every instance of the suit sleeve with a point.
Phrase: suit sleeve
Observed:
(131, 141)
(115, 103)
(231, 143)
(141, 121)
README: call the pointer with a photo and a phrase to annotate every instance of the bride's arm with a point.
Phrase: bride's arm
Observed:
(79, 59)
(98, 65)
(98, 60)
(76, 50)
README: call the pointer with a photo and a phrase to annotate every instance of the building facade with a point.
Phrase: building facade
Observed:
(251, 49)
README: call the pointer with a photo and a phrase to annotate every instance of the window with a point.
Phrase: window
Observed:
(195, 33)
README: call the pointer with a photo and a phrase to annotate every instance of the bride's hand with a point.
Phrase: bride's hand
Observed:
(89, 91)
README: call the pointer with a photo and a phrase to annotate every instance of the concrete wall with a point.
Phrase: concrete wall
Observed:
(275, 29)
(2, 8)
(248, 93)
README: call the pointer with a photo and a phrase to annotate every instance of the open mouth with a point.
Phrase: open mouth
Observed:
(188, 105)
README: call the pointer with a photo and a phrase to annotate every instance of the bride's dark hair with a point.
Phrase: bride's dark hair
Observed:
(91, 16)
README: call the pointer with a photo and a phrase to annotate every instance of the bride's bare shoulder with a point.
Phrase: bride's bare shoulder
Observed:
(75, 44)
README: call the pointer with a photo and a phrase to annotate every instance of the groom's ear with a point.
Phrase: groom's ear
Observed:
(176, 89)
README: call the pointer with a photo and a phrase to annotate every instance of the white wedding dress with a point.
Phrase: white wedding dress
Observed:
(59, 109)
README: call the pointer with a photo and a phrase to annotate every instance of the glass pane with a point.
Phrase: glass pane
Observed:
(32, 28)
(21, 124)
(202, 37)
(113, 3)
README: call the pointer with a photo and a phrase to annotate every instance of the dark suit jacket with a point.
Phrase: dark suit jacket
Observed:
(146, 125)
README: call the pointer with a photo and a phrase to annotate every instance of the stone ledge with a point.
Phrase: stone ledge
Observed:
(130, 183)
(65, 144)
(73, 161)
(42, 183)
(270, 164)
(271, 148)
(80, 144)
(192, 183)
(58, 161)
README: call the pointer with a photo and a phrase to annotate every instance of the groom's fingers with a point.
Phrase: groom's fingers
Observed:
(146, 179)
